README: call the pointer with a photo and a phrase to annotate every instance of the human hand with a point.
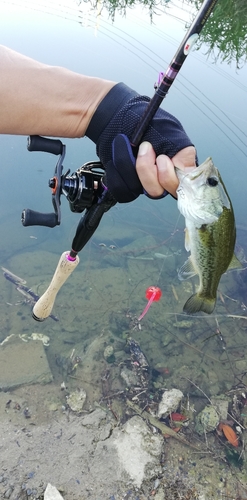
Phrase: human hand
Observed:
(154, 175)
(157, 174)
(112, 127)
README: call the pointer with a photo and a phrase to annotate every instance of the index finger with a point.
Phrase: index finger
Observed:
(166, 174)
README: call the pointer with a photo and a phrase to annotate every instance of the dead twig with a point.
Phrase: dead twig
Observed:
(199, 389)
(159, 425)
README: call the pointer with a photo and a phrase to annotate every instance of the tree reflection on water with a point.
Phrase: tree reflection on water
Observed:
(225, 33)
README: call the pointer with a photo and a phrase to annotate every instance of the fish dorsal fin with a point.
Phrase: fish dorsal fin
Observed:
(187, 270)
(235, 263)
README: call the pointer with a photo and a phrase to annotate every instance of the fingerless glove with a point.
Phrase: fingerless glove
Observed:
(111, 129)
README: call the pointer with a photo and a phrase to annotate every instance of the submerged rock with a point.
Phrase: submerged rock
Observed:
(207, 420)
(23, 363)
(76, 400)
(221, 404)
(138, 450)
(109, 354)
(169, 402)
(129, 377)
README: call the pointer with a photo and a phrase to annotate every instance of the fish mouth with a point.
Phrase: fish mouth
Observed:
(206, 167)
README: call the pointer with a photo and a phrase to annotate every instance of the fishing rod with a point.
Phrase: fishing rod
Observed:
(79, 188)
(173, 69)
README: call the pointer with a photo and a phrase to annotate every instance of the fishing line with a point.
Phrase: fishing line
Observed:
(218, 127)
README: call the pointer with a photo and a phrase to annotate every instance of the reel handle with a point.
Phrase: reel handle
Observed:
(31, 218)
(38, 143)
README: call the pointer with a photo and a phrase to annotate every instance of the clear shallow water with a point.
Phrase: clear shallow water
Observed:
(107, 290)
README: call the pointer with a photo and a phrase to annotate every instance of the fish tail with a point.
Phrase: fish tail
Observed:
(198, 303)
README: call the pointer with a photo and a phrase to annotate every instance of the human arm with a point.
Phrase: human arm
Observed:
(46, 100)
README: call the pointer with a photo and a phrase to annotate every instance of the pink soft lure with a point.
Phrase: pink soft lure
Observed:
(153, 293)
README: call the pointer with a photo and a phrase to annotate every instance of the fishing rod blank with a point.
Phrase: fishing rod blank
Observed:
(173, 69)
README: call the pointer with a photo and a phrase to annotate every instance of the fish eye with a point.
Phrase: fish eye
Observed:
(212, 181)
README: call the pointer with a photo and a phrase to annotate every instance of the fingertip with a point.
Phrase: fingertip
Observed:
(144, 148)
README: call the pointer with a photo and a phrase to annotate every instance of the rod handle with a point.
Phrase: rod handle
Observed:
(43, 307)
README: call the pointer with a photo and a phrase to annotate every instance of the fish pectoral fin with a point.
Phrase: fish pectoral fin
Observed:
(186, 240)
(235, 263)
(187, 270)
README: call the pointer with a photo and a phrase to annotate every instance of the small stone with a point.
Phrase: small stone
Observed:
(8, 492)
(207, 420)
(156, 483)
(169, 402)
(76, 400)
(51, 493)
(109, 354)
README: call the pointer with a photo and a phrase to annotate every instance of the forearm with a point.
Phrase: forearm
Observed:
(46, 100)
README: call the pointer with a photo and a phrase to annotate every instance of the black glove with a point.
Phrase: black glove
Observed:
(111, 127)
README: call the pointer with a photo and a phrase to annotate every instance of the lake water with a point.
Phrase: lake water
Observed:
(106, 293)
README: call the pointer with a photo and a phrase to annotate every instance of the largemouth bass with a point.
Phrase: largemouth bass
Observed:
(210, 232)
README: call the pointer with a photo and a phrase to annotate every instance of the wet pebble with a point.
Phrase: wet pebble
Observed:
(27, 413)
(8, 492)
(156, 483)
